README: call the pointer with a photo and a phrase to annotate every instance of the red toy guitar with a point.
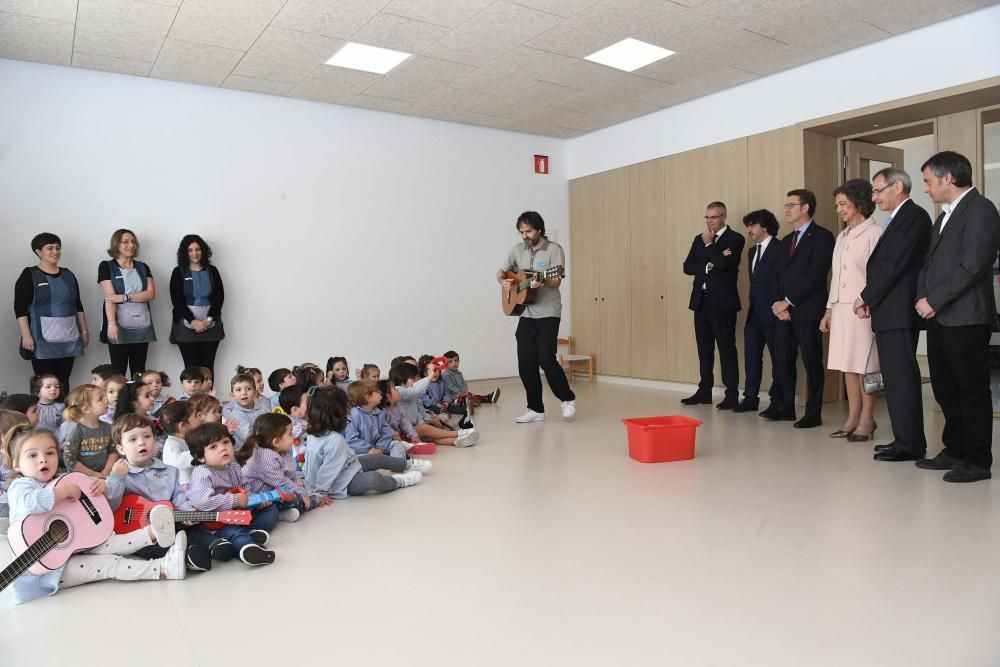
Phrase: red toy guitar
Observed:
(44, 542)
(133, 514)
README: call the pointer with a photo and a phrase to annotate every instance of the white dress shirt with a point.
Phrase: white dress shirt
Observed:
(949, 208)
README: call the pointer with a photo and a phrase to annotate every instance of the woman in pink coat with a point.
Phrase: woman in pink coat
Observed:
(852, 343)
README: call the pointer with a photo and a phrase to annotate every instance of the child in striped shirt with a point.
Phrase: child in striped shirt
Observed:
(268, 464)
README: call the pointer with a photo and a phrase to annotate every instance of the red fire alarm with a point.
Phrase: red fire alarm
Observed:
(541, 164)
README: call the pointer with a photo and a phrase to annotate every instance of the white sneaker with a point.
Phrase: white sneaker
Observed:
(569, 409)
(466, 437)
(531, 416)
(173, 565)
(408, 478)
(495, 396)
(289, 515)
(423, 466)
(161, 523)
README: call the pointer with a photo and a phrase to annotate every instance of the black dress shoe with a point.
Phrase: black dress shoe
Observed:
(967, 472)
(747, 405)
(943, 461)
(808, 422)
(772, 410)
(882, 448)
(782, 416)
(697, 399)
(727, 404)
(893, 454)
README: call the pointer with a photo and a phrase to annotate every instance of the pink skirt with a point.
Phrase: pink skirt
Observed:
(851, 342)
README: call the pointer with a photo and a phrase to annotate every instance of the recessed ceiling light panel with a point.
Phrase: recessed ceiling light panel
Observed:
(629, 55)
(367, 58)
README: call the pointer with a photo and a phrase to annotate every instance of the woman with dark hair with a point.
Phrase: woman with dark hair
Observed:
(128, 289)
(48, 310)
(852, 343)
(196, 293)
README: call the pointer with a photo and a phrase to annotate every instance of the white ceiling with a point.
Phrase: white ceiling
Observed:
(511, 64)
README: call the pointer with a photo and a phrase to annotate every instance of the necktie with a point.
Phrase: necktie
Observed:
(795, 242)
(756, 256)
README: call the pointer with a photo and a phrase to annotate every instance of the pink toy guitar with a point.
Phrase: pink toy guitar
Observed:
(44, 542)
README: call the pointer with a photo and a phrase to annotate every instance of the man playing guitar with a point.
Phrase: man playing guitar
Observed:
(538, 326)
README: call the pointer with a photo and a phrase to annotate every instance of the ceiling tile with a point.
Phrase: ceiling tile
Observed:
(564, 8)
(399, 33)
(111, 64)
(36, 39)
(409, 89)
(195, 63)
(250, 84)
(59, 10)
(286, 55)
(453, 100)
(336, 85)
(382, 104)
(448, 13)
(333, 18)
(233, 24)
(430, 69)
(122, 28)
(493, 31)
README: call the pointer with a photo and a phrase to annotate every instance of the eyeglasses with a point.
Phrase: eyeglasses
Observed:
(875, 191)
(793, 205)
(715, 217)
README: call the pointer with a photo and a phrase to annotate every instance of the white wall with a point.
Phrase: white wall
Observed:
(337, 230)
(961, 50)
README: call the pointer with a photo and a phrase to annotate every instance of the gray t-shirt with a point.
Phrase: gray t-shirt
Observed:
(548, 301)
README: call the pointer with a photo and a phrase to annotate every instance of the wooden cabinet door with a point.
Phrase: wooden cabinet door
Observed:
(647, 242)
(611, 208)
(583, 270)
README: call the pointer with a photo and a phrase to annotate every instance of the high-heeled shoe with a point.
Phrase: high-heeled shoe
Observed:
(841, 434)
(859, 437)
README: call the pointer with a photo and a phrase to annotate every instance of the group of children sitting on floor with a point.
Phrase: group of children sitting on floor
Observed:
(319, 438)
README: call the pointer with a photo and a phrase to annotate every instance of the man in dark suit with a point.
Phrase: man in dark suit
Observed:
(762, 227)
(955, 298)
(888, 298)
(714, 261)
(800, 282)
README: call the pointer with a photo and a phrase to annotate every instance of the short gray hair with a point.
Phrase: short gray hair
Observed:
(892, 175)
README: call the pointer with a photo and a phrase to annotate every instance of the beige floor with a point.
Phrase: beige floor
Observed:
(547, 545)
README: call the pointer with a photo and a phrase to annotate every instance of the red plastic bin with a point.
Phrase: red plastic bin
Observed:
(660, 439)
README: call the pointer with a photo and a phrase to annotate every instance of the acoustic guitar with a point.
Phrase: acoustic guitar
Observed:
(515, 297)
(133, 514)
(44, 542)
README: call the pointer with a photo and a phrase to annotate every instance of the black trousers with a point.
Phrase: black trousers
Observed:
(131, 356)
(897, 353)
(755, 337)
(536, 347)
(960, 377)
(789, 339)
(61, 367)
(712, 329)
(200, 354)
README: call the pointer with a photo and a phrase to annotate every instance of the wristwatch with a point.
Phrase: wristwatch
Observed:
(209, 319)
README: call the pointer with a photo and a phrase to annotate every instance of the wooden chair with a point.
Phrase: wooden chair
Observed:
(574, 363)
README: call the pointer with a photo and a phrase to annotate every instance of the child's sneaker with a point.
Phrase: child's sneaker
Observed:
(198, 558)
(420, 465)
(466, 437)
(222, 549)
(173, 565)
(161, 523)
(409, 478)
(259, 536)
(495, 396)
(289, 515)
(253, 554)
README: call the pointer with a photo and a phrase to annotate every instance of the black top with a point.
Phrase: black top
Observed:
(24, 291)
(720, 281)
(801, 278)
(181, 310)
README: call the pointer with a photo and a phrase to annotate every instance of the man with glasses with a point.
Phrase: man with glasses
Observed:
(714, 263)
(800, 278)
(888, 298)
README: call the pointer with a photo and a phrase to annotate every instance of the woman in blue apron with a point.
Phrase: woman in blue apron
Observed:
(48, 310)
(197, 294)
(128, 289)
